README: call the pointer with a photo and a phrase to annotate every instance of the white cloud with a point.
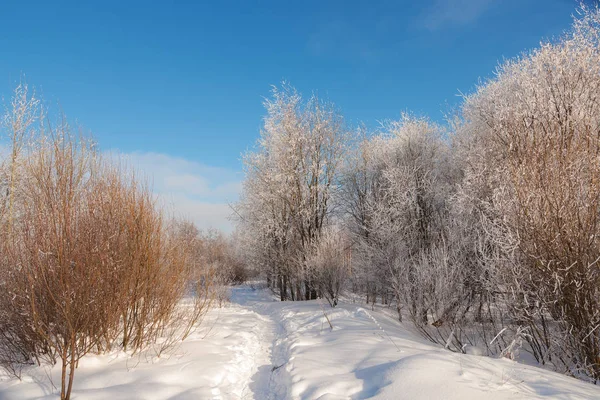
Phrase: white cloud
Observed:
(453, 12)
(204, 214)
(189, 189)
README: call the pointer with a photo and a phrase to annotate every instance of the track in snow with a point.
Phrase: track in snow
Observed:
(228, 357)
(258, 348)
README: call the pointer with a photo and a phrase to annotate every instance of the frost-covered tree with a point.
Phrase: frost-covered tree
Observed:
(290, 181)
(486, 236)
(396, 203)
(412, 235)
(329, 262)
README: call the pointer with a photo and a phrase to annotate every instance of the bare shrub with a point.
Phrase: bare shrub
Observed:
(219, 256)
(18, 341)
(538, 122)
(88, 260)
(58, 253)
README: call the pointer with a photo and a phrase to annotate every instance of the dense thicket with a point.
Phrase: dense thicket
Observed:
(539, 122)
(483, 233)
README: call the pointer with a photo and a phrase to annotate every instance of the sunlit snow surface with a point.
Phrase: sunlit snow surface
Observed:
(259, 348)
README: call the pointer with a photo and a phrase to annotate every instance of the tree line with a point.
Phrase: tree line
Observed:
(483, 231)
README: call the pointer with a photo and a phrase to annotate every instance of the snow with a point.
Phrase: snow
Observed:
(259, 348)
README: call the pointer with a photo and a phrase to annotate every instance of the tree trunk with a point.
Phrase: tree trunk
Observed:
(281, 287)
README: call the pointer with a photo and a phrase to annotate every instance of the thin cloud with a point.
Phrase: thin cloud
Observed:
(444, 13)
(191, 190)
(204, 215)
(187, 189)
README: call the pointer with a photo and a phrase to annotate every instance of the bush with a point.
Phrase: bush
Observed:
(88, 261)
(537, 123)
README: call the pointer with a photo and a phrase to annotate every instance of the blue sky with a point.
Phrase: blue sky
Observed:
(177, 86)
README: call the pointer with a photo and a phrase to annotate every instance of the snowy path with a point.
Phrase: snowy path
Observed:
(228, 357)
(368, 354)
(258, 348)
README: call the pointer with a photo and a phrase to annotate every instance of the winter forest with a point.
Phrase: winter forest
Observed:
(479, 236)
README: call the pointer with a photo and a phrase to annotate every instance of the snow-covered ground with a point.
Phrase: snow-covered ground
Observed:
(259, 348)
